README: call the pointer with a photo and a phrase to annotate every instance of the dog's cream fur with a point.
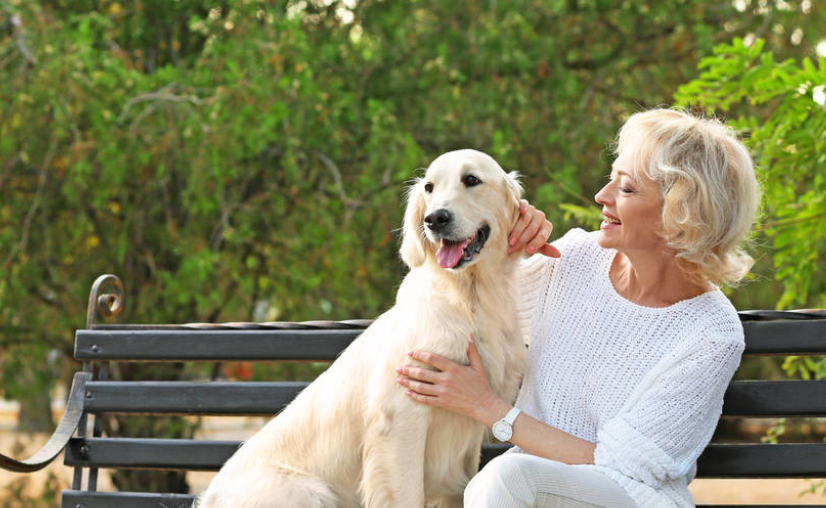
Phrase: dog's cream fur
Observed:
(353, 438)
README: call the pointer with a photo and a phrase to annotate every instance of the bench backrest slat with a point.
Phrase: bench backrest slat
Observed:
(743, 398)
(211, 345)
(784, 337)
(185, 398)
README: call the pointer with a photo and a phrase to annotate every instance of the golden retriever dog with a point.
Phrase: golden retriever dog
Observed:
(353, 438)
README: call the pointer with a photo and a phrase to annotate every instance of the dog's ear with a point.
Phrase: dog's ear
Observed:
(412, 250)
(514, 191)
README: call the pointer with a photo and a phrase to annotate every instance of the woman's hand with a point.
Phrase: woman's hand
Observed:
(463, 389)
(533, 230)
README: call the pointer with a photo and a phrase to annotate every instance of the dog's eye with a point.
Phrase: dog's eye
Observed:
(470, 181)
(428, 187)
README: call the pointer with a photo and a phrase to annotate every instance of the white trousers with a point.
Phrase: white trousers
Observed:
(520, 480)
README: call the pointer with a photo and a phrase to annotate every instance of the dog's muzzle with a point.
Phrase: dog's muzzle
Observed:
(455, 253)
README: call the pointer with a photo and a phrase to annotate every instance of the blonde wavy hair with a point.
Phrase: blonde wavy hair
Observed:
(709, 190)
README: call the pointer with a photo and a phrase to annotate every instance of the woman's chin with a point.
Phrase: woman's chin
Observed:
(604, 240)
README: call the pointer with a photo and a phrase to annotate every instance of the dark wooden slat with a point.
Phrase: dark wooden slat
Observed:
(786, 337)
(783, 337)
(72, 498)
(799, 460)
(130, 453)
(718, 461)
(182, 398)
(743, 398)
(211, 345)
(775, 399)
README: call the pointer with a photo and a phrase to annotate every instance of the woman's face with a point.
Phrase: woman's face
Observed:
(632, 209)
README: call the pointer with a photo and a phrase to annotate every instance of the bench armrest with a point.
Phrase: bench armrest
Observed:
(61, 436)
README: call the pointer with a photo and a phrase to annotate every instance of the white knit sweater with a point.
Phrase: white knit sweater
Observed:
(645, 384)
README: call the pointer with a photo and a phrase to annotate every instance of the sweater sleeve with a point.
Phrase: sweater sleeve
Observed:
(534, 276)
(662, 430)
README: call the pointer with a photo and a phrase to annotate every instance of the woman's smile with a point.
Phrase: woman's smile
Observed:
(610, 222)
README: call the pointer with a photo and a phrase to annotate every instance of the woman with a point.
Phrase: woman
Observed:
(632, 344)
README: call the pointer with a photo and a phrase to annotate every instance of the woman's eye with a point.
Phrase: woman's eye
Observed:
(626, 190)
(470, 181)
(428, 187)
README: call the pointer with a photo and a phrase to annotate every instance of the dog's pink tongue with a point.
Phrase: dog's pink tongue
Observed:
(450, 254)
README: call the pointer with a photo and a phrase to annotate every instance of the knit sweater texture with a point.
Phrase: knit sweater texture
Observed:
(645, 384)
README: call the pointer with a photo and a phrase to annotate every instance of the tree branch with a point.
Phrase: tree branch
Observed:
(41, 184)
(350, 202)
(19, 39)
(160, 96)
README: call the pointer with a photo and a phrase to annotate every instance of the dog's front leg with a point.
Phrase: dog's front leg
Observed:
(393, 459)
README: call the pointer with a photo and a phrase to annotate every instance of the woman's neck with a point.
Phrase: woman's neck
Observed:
(653, 279)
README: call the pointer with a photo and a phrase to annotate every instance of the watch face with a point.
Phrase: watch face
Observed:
(502, 431)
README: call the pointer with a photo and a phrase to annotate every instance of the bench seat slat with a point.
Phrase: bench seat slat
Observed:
(73, 498)
(743, 398)
(783, 337)
(718, 461)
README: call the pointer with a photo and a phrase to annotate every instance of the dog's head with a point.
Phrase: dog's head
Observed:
(460, 212)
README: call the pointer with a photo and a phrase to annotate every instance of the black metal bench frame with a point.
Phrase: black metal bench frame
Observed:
(801, 333)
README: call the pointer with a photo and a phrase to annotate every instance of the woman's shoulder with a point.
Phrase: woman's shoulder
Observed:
(716, 318)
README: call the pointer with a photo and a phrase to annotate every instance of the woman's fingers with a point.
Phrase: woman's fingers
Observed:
(473, 356)
(458, 388)
(419, 374)
(550, 251)
(431, 359)
(531, 231)
(523, 222)
(528, 234)
(541, 238)
(419, 387)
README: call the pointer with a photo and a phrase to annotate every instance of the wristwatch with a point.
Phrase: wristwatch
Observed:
(503, 429)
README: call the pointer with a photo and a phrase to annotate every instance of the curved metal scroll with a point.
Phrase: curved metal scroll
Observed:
(109, 304)
(61, 436)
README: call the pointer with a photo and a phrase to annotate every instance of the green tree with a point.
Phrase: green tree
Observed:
(780, 108)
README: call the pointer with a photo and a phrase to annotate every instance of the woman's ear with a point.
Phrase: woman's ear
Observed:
(412, 250)
(514, 191)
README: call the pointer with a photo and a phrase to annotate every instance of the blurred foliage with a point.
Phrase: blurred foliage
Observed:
(246, 159)
(19, 493)
(780, 106)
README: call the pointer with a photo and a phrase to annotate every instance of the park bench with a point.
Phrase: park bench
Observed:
(93, 394)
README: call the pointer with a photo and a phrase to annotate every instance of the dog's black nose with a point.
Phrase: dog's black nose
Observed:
(437, 220)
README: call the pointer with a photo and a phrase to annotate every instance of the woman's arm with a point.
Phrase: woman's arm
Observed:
(465, 390)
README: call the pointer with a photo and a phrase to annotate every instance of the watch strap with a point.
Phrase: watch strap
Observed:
(511, 416)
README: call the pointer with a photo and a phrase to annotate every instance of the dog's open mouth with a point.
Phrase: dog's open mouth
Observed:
(455, 253)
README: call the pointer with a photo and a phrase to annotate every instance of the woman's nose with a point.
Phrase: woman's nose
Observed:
(601, 196)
